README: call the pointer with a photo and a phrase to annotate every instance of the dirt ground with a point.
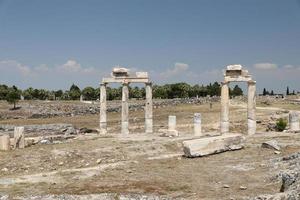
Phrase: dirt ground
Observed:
(148, 164)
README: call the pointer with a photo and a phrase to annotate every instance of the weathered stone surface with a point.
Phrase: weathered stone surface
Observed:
(224, 126)
(197, 124)
(294, 121)
(272, 144)
(4, 142)
(251, 108)
(149, 109)
(19, 138)
(103, 109)
(40, 130)
(125, 110)
(234, 67)
(212, 145)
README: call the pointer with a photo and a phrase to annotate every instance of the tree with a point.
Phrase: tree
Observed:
(272, 92)
(58, 94)
(264, 92)
(74, 92)
(237, 91)
(287, 91)
(13, 96)
(89, 93)
(3, 91)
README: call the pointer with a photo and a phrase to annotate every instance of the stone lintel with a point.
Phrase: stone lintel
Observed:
(125, 80)
(238, 79)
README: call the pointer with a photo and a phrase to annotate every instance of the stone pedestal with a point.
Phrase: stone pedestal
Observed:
(251, 107)
(125, 97)
(172, 126)
(103, 107)
(294, 121)
(19, 138)
(224, 108)
(149, 109)
(4, 143)
(197, 124)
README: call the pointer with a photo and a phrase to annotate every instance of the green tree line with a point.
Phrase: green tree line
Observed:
(167, 91)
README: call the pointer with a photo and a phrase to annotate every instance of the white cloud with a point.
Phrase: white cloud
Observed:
(42, 68)
(288, 66)
(265, 66)
(72, 66)
(16, 67)
(177, 69)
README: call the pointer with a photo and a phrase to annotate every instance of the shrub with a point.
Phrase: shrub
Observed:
(281, 124)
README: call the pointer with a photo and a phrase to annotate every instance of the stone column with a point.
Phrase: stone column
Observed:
(149, 109)
(4, 142)
(251, 107)
(103, 118)
(224, 108)
(19, 138)
(294, 121)
(125, 97)
(172, 126)
(197, 124)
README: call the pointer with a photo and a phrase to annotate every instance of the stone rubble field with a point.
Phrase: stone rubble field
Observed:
(65, 158)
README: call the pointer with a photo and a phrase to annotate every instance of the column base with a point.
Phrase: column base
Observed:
(124, 128)
(224, 127)
(251, 126)
(197, 130)
(149, 125)
(294, 126)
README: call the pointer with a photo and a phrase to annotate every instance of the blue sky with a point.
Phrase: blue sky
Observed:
(54, 43)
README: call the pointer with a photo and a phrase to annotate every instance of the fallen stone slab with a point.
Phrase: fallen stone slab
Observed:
(272, 144)
(212, 145)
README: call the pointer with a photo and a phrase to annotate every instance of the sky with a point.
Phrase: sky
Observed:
(52, 43)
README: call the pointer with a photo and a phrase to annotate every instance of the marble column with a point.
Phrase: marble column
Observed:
(125, 110)
(197, 124)
(224, 108)
(103, 107)
(294, 121)
(149, 109)
(251, 107)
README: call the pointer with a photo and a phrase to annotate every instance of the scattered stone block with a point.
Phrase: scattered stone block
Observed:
(172, 126)
(197, 124)
(4, 142)
(272, 144)
(19, 138)
(212, 145)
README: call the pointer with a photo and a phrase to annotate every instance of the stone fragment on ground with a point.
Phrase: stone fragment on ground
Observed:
(212, 145)
(271, 144)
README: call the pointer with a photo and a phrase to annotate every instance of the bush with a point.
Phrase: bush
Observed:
(281, 124)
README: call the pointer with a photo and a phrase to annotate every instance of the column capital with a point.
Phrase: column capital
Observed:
(125, 83)
(224, 82)
(148, 83)
(251, 82)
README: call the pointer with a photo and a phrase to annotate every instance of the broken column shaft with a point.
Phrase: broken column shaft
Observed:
(197, 124)
(294, 121)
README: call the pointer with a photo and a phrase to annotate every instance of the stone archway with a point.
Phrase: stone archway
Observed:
(121, 75)
(235, 73)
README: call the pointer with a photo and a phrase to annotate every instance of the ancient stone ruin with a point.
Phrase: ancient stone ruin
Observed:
(122, 75)
(235, 73)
